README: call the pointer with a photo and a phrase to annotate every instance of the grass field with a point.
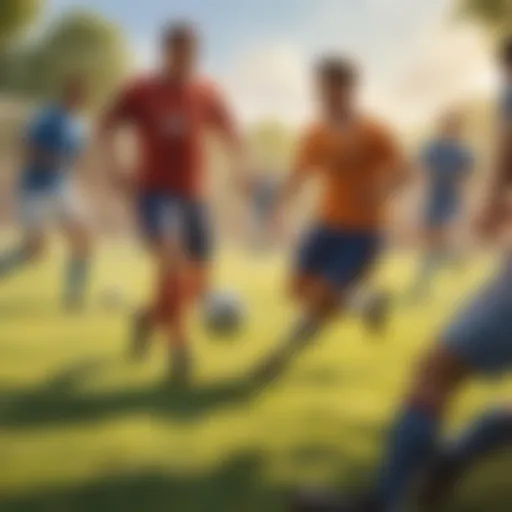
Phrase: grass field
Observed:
(82, 428)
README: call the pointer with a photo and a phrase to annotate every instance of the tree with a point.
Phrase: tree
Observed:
(494, 14)
(80, 42)
(271, 144)
(15, 17)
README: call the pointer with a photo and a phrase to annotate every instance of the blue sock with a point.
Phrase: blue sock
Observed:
(12, 259)
(491, 431)
(76, 280)
(411, 448)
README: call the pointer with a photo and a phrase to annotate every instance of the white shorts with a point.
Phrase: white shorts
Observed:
(38, 209)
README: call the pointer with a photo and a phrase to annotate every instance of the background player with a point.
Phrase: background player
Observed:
(357, 161)
(478, 342)
(446, 163)
(52, 145)
(170, 111)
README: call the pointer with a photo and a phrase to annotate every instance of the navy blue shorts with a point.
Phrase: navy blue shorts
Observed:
(162, 215)
(481, 334)
(336, 255)
(441, 212)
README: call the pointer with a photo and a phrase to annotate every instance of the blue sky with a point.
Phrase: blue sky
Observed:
(280, 37)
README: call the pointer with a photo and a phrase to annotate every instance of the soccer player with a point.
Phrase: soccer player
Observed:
(52, 144)
(170, 111)
(479, 342)
(358, 163)
(446, 162)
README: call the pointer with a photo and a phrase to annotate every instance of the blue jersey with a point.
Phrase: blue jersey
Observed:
(446, 163)
(59, 136)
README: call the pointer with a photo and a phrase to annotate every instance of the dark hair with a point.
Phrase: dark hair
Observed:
(179, 32)
(337, 70)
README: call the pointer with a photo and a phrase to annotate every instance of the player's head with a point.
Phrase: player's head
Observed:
(506, 57)
(337, 79)
(180, 42)
(451, 124)
(75, 91)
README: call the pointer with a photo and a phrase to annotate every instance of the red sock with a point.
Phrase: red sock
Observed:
(173, 307)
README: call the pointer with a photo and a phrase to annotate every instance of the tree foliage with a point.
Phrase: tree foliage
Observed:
(15, 17)
(81, 42)
(496, 15)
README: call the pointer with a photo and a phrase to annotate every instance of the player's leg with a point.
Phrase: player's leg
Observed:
(172, 304)
(330, 264)
(431, 261)
(34, 213)
(77, 270)
(478, 342)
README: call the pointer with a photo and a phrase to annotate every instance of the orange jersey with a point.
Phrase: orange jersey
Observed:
(355, 164)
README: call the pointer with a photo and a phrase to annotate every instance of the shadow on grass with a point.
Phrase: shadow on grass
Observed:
(235, 486)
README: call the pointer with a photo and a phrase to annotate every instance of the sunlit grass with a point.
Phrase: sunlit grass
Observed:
(82, 428)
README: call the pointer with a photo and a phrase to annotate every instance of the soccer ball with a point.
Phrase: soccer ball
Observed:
(224, 313)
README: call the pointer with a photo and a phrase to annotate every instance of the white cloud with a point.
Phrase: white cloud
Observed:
(445, 64)
(270, 80)
(448, 65)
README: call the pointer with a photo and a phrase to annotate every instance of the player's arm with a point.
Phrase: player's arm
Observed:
(225, 125)
(397, 171)
(306, 162)
(118, 114)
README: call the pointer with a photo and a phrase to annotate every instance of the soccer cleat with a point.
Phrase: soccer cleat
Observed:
(141, 332)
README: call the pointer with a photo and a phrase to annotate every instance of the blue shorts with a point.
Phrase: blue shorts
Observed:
(162, 215)
(481, 334)
(439, 212)
(336, 255)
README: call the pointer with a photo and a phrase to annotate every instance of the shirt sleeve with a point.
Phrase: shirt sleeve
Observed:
(391, 154)
(307, 158)
(220, 115)
(122, 109)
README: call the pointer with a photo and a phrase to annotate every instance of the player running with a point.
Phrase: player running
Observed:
(358, 163)
(52, 145)
(479, 342)
(170, 111)
(446, 162)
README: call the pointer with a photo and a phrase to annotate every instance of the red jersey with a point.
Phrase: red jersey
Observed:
(170, 119)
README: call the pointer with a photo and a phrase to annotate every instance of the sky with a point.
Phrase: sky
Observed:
(416, 59)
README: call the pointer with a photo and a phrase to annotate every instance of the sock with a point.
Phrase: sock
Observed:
(411, 448)
(76, 279)
(490, 432)
(12, 259)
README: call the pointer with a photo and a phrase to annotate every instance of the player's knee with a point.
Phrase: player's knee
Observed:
(438, 377)
(35, 246)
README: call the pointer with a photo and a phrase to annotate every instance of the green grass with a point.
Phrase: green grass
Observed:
(82, 428)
